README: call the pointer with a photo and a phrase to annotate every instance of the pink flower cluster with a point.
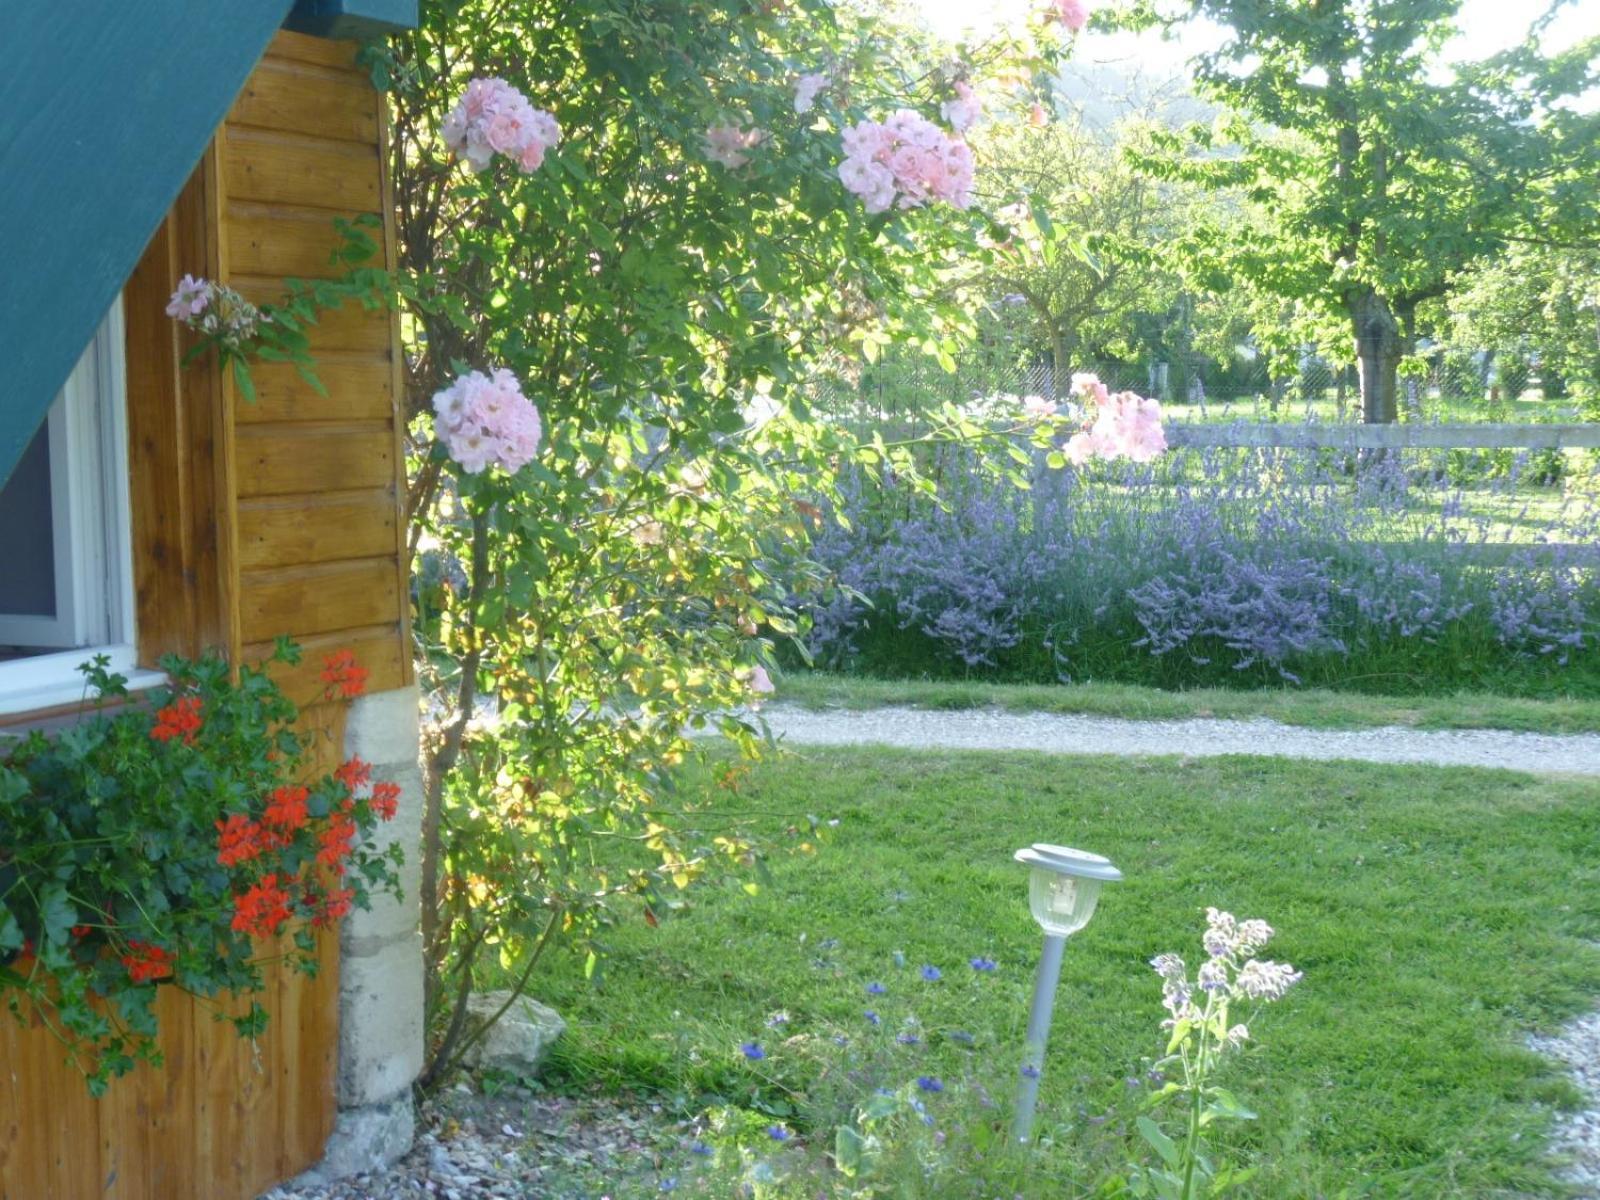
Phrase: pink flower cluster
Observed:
(726, 144)
(492, 117)
(1074, 14)
(214, 310)
(806, 90)
(1125, 425)
(962, 113)
(904, 162)
(485, 420)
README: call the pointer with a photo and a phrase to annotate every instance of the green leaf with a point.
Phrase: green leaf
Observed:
(241, 377)
(1225, 1104)
(1159, 1141)
(848, 1148)
(11, 935)
(57, 914)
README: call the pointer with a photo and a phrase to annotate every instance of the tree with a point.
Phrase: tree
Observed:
(1083, 252)
(1385, 171)
(1541, 300)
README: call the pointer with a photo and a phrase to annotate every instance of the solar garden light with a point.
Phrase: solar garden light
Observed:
(1063, 889)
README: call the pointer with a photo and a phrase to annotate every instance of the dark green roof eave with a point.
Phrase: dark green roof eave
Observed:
(359, 19)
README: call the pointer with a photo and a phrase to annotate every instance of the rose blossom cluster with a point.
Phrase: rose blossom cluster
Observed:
(962, 113)
(726, 144)
(215, 311)
(806, 90)
(1125, 425)
(904, 162)
(1074, 14)
(492, 117)
(485, 420)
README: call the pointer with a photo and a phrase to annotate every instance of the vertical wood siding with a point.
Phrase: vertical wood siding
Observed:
(250, 522)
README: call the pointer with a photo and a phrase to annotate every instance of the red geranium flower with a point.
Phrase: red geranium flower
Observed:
(262, 910)
(146, 961)
(335, 905)
(181, 718)
(343, 676)
(353, 774)
(239, 840)
(386, 799)
(287, 808)
(337, 840)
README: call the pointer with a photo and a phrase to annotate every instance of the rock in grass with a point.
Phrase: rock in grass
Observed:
(520, 1041)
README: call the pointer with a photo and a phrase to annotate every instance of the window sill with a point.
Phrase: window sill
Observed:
(44, 685)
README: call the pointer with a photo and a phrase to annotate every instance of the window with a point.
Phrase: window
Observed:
(66, 593)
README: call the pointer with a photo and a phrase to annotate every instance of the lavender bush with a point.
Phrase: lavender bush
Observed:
(1219, 565)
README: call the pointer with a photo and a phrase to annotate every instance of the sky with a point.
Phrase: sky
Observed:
(1487, 26)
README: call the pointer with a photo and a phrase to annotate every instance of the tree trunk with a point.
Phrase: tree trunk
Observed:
(1060, 376)
(1379, 346)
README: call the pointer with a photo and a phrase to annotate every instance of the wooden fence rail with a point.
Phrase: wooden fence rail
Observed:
(1479, 436)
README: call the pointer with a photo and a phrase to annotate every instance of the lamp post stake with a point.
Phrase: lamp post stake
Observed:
(1044, 1004)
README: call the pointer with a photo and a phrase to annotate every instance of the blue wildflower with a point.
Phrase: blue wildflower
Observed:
(873, 1018)
(932, 974)
(699, 1147)
(962, 1036)
(753, 1051)
(909, 1039)
(1030, 1072)
(983, 964)
(930, 1083)
(669, 1184)
(876, 989)
(777, 1133)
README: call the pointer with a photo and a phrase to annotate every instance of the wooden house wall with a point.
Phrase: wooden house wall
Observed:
(250, 521)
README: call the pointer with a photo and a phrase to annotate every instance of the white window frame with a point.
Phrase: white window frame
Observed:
(92, 517)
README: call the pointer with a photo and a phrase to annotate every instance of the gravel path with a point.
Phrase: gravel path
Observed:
(996, 729)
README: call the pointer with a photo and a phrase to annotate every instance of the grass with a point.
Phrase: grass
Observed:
(1314, 707)
(1439, 915)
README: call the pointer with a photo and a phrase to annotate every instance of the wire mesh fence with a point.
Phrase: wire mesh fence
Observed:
(1443, 385)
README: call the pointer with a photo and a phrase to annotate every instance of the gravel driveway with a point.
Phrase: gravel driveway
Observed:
(996, 729)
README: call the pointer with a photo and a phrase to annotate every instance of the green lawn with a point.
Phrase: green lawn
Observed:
(1439, 915)
(1315, 708)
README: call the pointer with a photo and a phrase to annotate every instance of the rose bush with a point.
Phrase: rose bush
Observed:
(651, 291)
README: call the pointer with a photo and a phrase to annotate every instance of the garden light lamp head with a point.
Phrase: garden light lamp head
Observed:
(1064, 885)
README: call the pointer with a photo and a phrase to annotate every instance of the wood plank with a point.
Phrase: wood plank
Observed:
(326, 52)
(280, 168)
(377, 648)
(350, 328)
(280, 531)
(359, 388)
(165, 1099)
(1480, 436)
(286, 95)
(318, 599)
(281, 242)
(397, 389)
(25, 1073)
(307, 1088)
(72, 1118)
(277, 460)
